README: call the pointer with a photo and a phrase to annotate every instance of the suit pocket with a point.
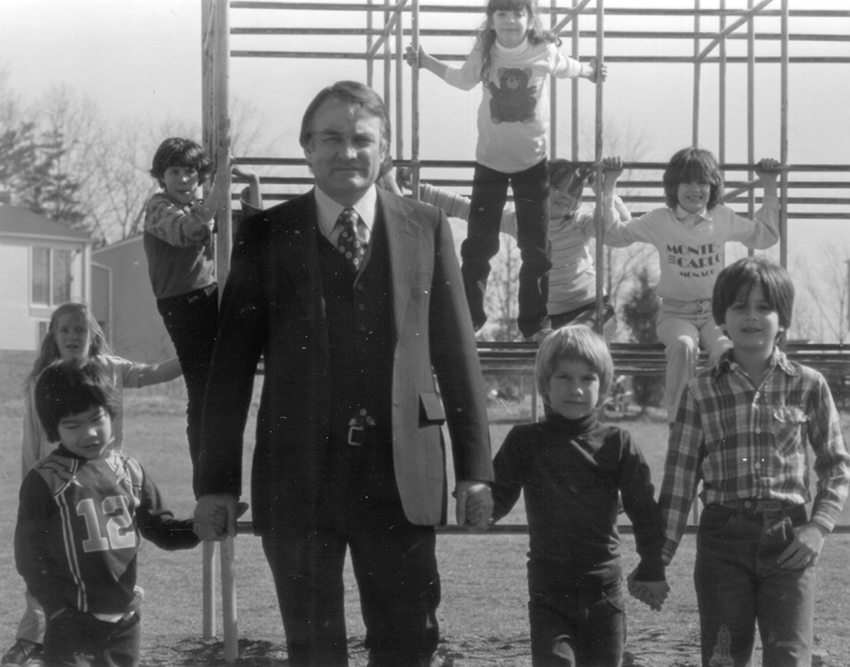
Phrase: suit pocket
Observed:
(430, 409)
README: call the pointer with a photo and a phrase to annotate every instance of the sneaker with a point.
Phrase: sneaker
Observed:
(20, 653)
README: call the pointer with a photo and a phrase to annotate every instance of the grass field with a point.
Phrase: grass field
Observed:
(483, 612)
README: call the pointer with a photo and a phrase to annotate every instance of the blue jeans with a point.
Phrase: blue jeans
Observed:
(191, 320)
(738, 583)
(77, 639)
(574, 624)
(531, 196)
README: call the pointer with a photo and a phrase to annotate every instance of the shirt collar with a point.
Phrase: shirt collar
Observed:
(777, 358)
(691, 219)
(328, 210)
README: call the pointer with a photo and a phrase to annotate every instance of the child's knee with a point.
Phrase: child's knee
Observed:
(683, 347)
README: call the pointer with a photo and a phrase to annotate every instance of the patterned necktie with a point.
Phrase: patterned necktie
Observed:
(349, 243)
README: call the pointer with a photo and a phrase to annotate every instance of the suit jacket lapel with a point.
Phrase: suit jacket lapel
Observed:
(402, 232)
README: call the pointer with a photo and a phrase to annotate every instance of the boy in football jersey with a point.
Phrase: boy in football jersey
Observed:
(82, 511)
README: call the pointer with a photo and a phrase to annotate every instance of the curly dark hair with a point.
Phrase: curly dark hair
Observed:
(178, 152)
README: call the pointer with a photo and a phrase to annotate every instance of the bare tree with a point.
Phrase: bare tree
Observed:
(501, 295)
(821, 315)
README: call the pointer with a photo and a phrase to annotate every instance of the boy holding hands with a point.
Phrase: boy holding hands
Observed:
(742, 428)
(570, 468)
(82, 510)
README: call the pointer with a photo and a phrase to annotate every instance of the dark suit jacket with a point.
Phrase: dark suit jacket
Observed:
(273, 306)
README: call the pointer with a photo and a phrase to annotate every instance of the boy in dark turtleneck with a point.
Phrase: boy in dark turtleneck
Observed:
(570, 468)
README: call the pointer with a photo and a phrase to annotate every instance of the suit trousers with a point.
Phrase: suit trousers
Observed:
(395, 566)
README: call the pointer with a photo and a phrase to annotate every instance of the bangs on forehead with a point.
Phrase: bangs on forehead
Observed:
(508, 6)
(72, 319)
(744, 289)
(696, 170)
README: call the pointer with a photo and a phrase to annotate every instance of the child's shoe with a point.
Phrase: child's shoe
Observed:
(21, 652)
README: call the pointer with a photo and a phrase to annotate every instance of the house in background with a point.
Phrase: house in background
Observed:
(123, 302)
(42, 265)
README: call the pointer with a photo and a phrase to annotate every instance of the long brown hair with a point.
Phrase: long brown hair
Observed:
(486, 36)
(49, 351)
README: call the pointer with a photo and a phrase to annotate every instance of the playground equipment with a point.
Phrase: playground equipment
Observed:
(716, 40)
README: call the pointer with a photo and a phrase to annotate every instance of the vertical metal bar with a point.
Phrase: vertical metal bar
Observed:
(783, 142)
(697, 76)
(598, 148)
(370, 62)
(751, 114)
(553, 93)
(574, 89)
(721, 96)
(387, 55)
(399, 88)
(414, 108)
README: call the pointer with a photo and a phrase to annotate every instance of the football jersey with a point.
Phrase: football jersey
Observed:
(80, 522)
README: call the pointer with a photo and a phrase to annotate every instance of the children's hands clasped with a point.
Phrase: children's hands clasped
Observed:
(651, 593)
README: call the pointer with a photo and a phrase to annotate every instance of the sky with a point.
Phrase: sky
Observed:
(141, 60)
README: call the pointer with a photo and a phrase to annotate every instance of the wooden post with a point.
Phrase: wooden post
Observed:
(208, 130)
(216, 130)
(228, 600)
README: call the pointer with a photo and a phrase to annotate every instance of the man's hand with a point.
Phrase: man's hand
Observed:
(215, 517)
(804, 550)
(474, 505)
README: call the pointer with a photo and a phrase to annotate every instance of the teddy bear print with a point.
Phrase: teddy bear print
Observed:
(513, 99)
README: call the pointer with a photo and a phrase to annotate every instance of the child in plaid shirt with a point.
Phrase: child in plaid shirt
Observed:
(742, 428)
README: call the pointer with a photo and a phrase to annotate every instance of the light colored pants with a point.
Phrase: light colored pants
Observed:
(682, 326)
(32, 622)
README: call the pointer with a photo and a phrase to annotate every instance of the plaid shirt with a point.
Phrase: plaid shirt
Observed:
(745, 441)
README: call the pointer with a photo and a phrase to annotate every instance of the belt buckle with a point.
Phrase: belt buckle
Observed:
(770, 506)
(352, 432)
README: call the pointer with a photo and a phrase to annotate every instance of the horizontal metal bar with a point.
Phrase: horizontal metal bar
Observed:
(476, 9)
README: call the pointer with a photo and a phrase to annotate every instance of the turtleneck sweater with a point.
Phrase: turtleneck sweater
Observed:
(570, 472)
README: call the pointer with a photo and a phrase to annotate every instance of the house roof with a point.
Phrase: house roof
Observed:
(23, 223)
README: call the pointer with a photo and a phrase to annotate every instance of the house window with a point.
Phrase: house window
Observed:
(51, 276)
(43, 328)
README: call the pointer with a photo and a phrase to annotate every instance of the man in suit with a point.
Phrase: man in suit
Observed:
(350, 451)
